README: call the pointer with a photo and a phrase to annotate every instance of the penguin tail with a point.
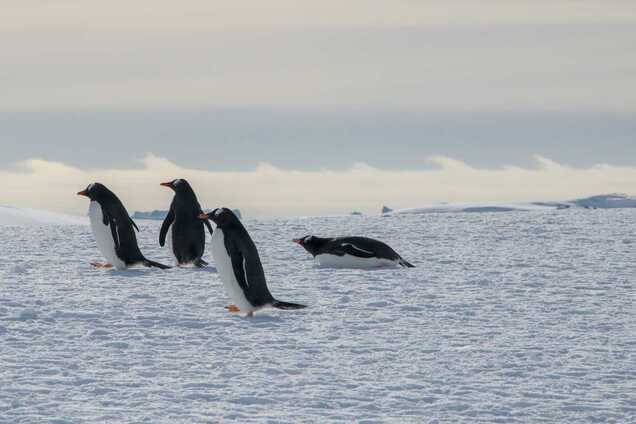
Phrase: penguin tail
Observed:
(405, 263)
(149, 263)
(200, 263)
(287, 305)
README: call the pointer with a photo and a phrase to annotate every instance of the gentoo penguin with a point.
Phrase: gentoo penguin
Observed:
(351, 252)
(113, 230)
(188, 234)
(239, 265)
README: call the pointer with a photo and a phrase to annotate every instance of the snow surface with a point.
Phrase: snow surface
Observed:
(508, 317)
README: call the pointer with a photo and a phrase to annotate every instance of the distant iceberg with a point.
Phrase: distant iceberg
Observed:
(606, 201)
(469, 208)
(26, 216)
(156, 214)
(602, 201)
(161, 215)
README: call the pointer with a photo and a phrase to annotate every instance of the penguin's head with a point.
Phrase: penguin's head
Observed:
(310, 243)
(94, 191)
(179, 185)
(220, 216)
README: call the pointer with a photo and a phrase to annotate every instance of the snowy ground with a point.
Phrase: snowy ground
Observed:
(508, 317)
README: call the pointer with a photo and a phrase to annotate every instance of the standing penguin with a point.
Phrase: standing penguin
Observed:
(239, 265)
(113, 230)
(188, 234)
(351, 252)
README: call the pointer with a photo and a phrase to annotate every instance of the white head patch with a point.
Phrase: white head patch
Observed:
(219, 212)
(308, 239)
(90, 187)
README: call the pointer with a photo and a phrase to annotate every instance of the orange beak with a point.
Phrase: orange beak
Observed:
(204, 216)
(298, 241)
(82, 193)
(168, 184)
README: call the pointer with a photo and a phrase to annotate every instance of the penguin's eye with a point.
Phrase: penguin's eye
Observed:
(219, 212)
(90, 187)
(308, 238)
(177, 182)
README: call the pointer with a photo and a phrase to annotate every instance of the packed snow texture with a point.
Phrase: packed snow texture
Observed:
(508, 317)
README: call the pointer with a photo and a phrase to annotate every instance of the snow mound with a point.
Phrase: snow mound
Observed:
(470, 207)
(601, 201)
(26, 216)
(607, 201)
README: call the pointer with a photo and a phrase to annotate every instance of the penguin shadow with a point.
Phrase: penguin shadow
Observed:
(134, 272)
(260, 320)
(189, 268)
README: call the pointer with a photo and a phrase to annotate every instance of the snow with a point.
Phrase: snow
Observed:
(26, 216)
(508, 317)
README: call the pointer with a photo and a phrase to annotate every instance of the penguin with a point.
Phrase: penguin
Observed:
(239, 265)
(186, 229)
(351, 252)
(114, 230)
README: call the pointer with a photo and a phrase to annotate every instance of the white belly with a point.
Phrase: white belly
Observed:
(349, 261)
(169, 245)
(103, 236)
(225, 271)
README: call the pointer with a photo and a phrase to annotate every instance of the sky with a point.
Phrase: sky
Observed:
(312, 107)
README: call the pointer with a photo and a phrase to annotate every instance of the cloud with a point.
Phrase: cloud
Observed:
(271, 191)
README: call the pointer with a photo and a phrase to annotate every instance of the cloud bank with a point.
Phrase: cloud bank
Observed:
(269, 191)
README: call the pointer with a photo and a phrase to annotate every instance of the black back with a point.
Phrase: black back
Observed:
(246, 262)
(121, 224)
(188, 234)
(361, 247)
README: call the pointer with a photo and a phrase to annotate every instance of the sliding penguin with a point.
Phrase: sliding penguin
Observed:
(113, 230)
(239, 265)
(186, 229)
(351, 252)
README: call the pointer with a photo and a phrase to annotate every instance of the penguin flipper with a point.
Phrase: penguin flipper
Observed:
(351, 249)
(113, 230)
(133, 224)
(207, 224)
(169, 219)
(239, 271)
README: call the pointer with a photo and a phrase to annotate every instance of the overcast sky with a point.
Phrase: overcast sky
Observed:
(305, 87)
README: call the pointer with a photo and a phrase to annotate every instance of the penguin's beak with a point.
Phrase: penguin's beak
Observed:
(168, 184)
(204, 216)
(82, 193)
(298, 241)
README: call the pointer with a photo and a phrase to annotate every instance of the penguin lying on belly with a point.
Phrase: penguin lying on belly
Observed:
(239, 265)
(351, 252)
(186, 229)
(113, 230)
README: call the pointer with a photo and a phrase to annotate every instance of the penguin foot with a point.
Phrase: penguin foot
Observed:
(100, 265)
(233, 308)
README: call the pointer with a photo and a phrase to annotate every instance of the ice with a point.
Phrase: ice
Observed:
(508, 317)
